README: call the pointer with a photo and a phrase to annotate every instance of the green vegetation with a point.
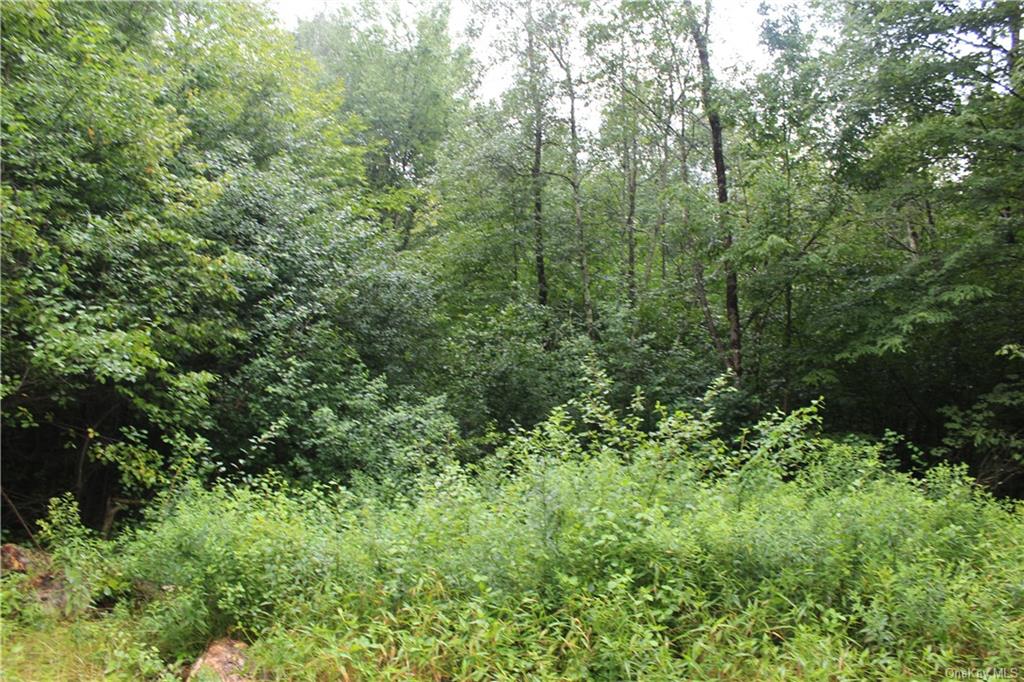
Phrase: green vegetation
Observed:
(579, 552)
(310, 342)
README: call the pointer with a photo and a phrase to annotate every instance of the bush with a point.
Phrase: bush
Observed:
(588, 549)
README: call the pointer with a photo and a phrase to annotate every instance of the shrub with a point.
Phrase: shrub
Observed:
(588, 549)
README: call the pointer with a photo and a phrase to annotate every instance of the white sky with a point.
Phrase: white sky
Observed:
(735, 33)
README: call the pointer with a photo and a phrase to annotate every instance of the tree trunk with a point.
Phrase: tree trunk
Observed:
(732, 304)
(1011, 56)
(697, 268)
(577, 200)
(659, 222)
(536, 186)
(787, 343)
(913, 239)
(538, 218)
(629, 164)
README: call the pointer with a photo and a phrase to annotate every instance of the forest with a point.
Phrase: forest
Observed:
(512, 340)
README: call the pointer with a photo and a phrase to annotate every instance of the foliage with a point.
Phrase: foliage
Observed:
(590, 548)
(182, 196)
(106, 291)
(315, 340)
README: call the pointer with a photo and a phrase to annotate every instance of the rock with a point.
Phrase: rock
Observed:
(50, 590)
(48, 586)
(14, 558)
(224, 658)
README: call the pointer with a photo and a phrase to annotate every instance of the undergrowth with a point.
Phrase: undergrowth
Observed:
(585, 548)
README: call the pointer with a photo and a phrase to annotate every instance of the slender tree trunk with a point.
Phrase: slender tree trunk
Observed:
(538, 219)
(732, 304)
(407, 218)
(629, 163)
(536, 185)
(787, 343)
(80, 477)
(659, 222)
(518, 246)
(1011, 57)
(913, 239)
(697, 268)
(577, 201)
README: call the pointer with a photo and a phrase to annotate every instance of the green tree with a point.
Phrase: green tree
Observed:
(404, 79)
(108, 296)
